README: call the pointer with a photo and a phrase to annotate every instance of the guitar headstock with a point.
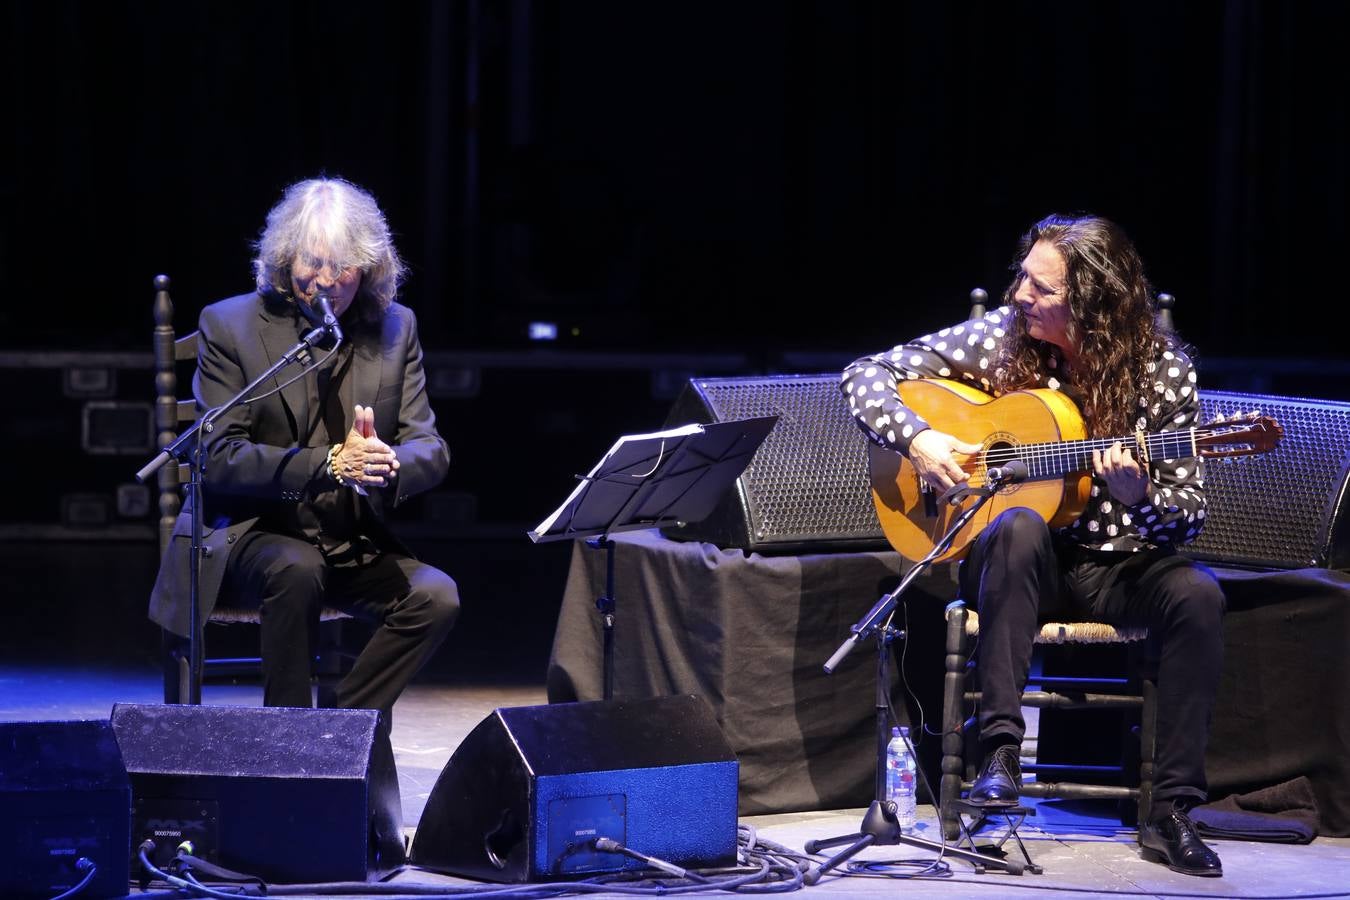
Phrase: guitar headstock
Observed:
(1241, 434)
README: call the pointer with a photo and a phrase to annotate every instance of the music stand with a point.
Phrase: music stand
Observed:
(650, 481)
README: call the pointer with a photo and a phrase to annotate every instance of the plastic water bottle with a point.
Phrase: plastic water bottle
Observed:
(900, 777)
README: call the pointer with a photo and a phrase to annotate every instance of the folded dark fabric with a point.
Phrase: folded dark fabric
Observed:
(1283, 813)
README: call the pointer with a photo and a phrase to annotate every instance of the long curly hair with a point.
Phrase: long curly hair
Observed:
(1111, 320)
(347, 223)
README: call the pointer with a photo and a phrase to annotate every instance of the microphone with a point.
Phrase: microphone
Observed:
(1011, 472)
(330, 322)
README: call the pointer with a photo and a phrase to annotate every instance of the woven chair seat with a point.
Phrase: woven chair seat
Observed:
(240, 615)
(1074, 632)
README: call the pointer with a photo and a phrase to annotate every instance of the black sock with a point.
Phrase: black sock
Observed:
(990, 744)
(1162, 808)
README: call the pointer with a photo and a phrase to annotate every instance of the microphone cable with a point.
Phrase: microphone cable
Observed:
(764, 867)
(609, 845)
(89, 868)
(189, 884)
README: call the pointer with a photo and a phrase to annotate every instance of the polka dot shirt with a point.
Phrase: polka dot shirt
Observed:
(1173, 510)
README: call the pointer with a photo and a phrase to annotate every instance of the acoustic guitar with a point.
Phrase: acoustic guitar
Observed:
(1044, 431)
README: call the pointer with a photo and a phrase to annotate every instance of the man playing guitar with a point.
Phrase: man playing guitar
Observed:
(1077, 320)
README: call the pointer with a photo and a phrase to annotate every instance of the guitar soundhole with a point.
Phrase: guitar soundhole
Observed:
(997, 453)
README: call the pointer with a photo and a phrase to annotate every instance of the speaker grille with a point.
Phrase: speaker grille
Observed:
(529, 786)
(808, 483)
(808, 487)
(63, 793)
(289, 795)
(1280, 509)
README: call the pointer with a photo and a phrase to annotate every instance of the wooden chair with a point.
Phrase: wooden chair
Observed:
(172, 415)
(960, 751)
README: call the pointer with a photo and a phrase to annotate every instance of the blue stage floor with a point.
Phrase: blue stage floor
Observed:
(1081, 846)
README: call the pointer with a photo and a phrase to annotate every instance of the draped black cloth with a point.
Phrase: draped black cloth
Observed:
(750, 634)
(1284, 699)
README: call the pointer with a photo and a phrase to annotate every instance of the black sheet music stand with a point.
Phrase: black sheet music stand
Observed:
(650, 481)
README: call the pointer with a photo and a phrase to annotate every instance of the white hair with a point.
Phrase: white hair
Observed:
(335, 219)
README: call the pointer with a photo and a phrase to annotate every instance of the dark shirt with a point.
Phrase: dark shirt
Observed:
(333, 518)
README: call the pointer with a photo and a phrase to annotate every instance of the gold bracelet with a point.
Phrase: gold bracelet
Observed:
(332, 462)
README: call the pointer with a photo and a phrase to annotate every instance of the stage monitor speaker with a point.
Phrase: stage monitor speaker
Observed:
(807, 488)
(288, 795)
(64, 797)
(1285, 509)
(530, 788)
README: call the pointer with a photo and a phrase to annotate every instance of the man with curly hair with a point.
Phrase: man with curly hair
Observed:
(1077, 318)
(297, 481)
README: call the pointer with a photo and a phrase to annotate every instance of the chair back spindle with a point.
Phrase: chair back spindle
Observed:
(166, 409)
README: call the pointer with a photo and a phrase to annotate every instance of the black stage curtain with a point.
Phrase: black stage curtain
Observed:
(750, 634)
(625, 168)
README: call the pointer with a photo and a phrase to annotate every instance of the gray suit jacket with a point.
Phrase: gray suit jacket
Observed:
(253, 458)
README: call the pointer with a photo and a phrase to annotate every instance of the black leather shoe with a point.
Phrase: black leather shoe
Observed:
(1173, 841)
(999, 778)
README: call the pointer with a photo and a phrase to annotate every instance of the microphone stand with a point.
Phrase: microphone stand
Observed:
(187, 447)
(880, 825)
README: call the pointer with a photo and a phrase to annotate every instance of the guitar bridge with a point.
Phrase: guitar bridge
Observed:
(930, 506)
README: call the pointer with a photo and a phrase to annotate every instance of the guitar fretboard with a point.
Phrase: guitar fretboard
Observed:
(1060, 458)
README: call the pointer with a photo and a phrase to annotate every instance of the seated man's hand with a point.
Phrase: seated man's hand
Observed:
(1125, 478)
(363, 459)
(366, 420)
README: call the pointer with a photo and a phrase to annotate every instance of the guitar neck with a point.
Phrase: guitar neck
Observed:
(1060, 458)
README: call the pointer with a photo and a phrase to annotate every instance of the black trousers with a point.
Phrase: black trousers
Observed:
(1020, 577)
(413, 605)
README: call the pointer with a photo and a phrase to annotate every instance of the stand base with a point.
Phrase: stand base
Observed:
(1013, 817)
(880, 827)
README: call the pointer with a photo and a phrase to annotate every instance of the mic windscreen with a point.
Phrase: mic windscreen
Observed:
(1011, 472)
(330, 321)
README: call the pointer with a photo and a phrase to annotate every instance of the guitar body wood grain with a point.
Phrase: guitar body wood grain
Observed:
(1020, 417)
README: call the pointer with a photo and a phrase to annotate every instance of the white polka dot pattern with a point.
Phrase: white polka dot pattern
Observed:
(1174, 510)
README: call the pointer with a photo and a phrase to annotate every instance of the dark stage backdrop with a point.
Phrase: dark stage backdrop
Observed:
(687, 189)
(749, 175)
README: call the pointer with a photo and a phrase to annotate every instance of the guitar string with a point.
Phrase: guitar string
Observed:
(1031, 453)
(1159, 442)
(1065, 462)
